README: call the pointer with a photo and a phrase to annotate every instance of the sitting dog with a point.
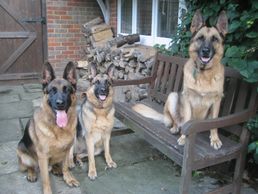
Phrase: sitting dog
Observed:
(202, 83)
(49, 134)
(96, 120)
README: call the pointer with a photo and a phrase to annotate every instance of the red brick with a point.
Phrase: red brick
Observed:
(66, 17)
(68, 52)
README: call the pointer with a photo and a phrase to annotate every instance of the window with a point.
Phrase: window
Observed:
(126, 16)
(154, 20)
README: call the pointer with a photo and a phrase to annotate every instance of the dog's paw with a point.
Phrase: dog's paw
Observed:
(216, 143)
(57, 170)
(71, 181)
(181, 140)
(79, 162)
(174, 130)
(32, 177)
(111, 164)
(92, 174)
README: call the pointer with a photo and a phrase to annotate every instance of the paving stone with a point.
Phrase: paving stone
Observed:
(16, 110)
(23, 123)
(126, 150)
(150, 177)
(7, 98)
(8, 158)
(31, 96)
(31, 88)
(16, 183)
(7, 89)
(10, 130)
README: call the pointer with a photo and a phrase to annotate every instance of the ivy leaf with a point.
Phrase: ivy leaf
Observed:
(253, 78)
(251, 147)
(233, 26)
(255, 4)
(245, 73)
(232, 51)
(238, 64)
(253, 64)
(252, 34)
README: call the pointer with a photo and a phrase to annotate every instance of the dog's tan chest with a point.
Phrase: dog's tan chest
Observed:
(207, 83)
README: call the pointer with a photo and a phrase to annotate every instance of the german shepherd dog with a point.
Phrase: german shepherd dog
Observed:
(202, 83)
(96, 120)
(49, 134)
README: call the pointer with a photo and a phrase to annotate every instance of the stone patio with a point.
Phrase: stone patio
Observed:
(141, 168)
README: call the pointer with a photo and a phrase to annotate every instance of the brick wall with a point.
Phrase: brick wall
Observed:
(64, 20)
(113, 15)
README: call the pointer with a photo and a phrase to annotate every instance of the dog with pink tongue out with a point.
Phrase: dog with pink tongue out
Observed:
(49, 134)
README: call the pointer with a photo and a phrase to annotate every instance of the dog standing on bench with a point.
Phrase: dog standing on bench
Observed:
(202, 83)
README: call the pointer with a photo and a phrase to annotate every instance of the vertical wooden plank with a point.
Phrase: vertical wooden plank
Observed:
(186, 174)
(229, 96)
(172, 76)
(164, 81)
(159, 75)
(241, 96)
(179, 78)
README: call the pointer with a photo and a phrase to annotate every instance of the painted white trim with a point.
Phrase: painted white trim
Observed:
(118, 16)
(134, 16)
(154, 23)
(181, 7)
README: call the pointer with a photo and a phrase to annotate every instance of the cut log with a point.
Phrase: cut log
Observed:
(103, 35)
(99, 28)
(93, 22)
(130, 39)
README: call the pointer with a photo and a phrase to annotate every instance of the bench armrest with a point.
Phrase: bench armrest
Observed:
(145, 80)
(197, 126)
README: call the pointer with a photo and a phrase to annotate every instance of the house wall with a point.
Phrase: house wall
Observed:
(64, 21)
(113, 15)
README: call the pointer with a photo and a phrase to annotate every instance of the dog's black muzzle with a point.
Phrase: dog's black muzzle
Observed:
(101, 91)
(205, 54)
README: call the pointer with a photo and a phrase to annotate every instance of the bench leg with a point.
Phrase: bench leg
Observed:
(186, 179)
(186, 174)
(240, 163)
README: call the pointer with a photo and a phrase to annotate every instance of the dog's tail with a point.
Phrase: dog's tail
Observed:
(148, 112)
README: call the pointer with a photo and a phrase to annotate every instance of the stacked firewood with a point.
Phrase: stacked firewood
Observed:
(132, 61)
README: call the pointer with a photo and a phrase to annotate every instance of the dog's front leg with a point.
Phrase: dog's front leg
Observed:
(109, 161)
(43, 167)
(70, 159)
(214, 137)
(187, 114)
(67, 175)
(92, 173)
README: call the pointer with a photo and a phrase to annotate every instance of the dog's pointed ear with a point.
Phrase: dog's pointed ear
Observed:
(222, 23)
(93, 70)
(110, 70)
(70, 74)
(197, 22)
(48, 75)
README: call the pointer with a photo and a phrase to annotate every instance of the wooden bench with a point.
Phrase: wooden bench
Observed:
(238, 105)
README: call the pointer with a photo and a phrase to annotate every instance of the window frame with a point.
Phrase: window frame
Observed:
(153, 39)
